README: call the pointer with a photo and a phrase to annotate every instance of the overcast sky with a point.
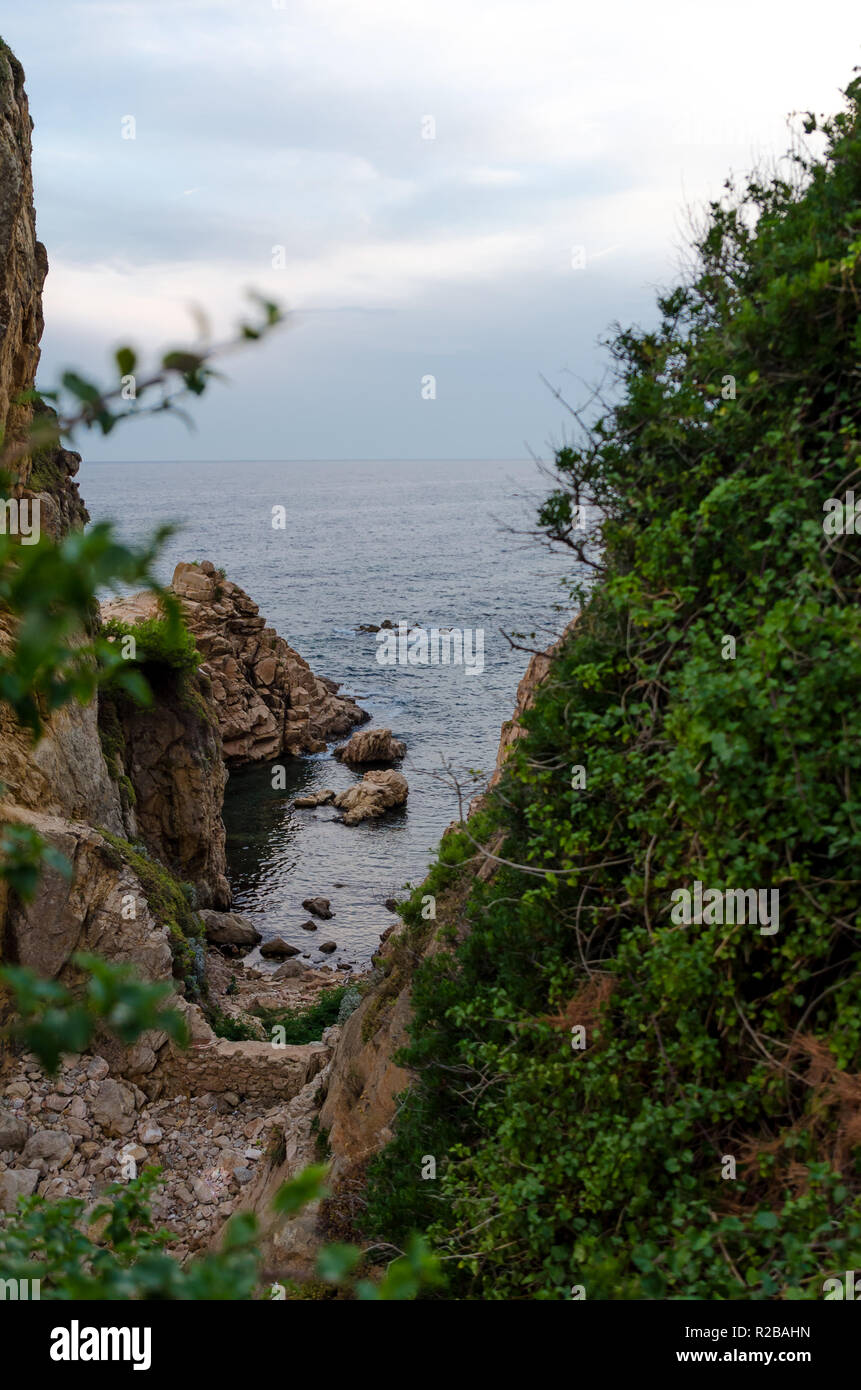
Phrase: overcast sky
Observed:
(257, 125)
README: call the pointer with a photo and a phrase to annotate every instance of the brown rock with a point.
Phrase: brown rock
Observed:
(373, 796)
(229, 929)
(372, 746)
(268, 700)
(319, 907)
(13, 1132)
(278, 947)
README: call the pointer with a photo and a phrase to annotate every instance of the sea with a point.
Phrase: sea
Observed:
(323, 548)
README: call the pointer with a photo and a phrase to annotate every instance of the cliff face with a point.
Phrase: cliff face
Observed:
(268, 699)
(23, 267)
(153, 776)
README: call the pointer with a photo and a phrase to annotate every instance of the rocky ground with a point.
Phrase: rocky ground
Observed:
(75, 1134)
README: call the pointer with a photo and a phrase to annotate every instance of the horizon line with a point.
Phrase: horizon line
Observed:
(436, 459)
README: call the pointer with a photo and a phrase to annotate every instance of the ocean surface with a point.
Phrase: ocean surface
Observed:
(427, 543)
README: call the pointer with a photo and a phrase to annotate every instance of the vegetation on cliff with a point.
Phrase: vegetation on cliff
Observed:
(704, 1140)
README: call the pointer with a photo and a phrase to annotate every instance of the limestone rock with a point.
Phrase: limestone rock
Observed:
(170, 752)
(373, 796)
(372, 746)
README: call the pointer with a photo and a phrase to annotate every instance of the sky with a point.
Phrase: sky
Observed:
(466, 190)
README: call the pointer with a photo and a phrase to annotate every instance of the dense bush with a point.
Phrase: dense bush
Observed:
(160, 642)
(738, 765)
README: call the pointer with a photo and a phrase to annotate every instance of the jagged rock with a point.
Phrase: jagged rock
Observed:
(229, 929)
(278, 947)
(319, 907)
(13, 1132)
(315, 799)
(373, 796)
(372, 746)
(268, 699)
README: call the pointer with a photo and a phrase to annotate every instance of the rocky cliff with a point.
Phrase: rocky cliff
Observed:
(266, 698)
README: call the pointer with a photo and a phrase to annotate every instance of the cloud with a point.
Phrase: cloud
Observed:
(259, 125)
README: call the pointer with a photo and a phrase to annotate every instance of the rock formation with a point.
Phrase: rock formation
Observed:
(23, 267)
(372, 746)
(267, 698)
(377, 792)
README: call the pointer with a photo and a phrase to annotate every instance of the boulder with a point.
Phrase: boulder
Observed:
(327, 947)
(229, 929)
(309, 926)
(14, 1132)
(372, 746)
(318, 907)
(373, 796)
(315, 799)
(113, 1107)
(290, 970)
(15, 1183)
(50, 1148)
(278, 947)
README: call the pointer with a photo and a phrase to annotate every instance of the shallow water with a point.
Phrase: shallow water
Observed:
(422, 542)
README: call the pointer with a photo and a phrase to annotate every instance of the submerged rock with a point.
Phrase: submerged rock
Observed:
(315, 798)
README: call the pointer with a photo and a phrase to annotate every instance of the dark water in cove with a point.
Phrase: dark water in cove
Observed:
(422, 542)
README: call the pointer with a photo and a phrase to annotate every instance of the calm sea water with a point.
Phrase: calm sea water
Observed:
(423, 542)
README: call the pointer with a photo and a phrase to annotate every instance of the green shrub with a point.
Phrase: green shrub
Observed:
(306, 1025)
(603, 1167)
(160, 642)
